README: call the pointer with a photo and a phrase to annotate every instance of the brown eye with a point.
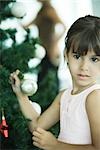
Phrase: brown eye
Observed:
(94, 59)
(76, 56)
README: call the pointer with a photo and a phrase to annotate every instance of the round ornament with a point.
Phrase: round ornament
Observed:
(29, 86)
(18, 9)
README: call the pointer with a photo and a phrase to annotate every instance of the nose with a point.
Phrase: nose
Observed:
(84, 65)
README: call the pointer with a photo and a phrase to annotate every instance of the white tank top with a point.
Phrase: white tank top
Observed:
(74, 123)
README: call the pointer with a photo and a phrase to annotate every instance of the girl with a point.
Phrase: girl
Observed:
(78, 108)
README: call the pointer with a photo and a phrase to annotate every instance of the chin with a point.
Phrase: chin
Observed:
(84, 83)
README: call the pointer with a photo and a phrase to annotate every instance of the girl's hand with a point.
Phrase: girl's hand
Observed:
(15, 82)
(44, 139)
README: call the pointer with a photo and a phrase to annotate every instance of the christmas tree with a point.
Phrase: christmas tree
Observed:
(15, 57)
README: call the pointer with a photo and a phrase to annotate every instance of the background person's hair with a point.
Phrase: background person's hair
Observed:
(84, 35)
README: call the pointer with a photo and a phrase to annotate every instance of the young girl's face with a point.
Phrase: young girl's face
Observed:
(85, 70)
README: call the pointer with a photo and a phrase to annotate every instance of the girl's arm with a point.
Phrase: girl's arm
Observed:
(46, 140)
(47, 119)
(93, 111)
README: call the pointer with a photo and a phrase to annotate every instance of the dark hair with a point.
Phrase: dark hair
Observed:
(84, 35)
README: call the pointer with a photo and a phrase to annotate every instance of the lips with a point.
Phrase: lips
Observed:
(82, 76)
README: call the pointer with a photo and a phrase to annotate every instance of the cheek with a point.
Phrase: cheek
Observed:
(96, 70)
(73, 68)
(99, 68)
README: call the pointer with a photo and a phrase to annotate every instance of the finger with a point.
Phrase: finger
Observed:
(37, 145)
(14, 80)
(36, 139)
(11, 79)
(37, 134)
(11, 75)
(17, 72)
(15, 76)
(40, 130)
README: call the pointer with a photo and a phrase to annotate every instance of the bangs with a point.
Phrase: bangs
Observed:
(84, 42)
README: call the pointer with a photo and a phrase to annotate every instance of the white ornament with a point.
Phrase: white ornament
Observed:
(18, 9)
(34, 62)
(36, 106)
(29, 86)
(40, 51)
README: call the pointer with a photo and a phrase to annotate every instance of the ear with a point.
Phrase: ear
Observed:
(65, 55)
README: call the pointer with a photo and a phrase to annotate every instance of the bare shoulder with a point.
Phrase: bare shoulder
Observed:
(93, 97)
(93, 111)
(93, 102)
(58, 97)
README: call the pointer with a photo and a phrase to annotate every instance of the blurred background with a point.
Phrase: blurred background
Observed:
(32, 34)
